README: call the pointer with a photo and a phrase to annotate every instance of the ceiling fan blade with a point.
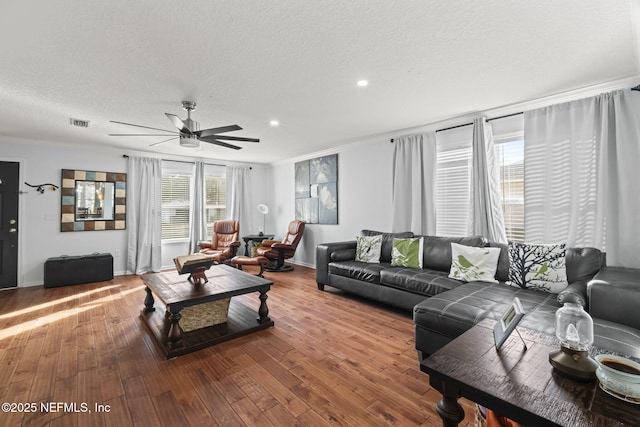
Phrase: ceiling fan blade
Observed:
(221, 129)
(235, 138)
(211, 140)
(177, 121)
(158, 143)
(140, 134)
(145, 127)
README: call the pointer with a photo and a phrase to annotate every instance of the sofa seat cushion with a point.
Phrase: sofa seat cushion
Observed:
(455, 311)
(358, 270)
(452, 313)
(419, 281)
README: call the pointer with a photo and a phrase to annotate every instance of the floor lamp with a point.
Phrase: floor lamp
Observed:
(264, 210)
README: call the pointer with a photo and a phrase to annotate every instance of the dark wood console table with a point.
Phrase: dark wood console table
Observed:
(254, 238)
(519, 384)
(175, 293)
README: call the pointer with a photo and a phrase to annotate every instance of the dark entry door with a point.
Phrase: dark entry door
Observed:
(9, 176)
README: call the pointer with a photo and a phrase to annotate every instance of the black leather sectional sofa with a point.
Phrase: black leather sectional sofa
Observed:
(444, 308)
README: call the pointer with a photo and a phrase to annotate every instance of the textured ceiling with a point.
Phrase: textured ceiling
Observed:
(248, 62)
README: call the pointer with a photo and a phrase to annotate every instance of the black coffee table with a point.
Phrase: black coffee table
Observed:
(175, 292)
(519, 384)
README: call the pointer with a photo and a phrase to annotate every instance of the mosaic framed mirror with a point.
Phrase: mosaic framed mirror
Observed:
(93, 201)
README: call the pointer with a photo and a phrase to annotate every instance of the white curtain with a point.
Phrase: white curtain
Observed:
(197, 214)
(144, 226)
(582, 168)
(414, 175)
(239, 197)
(620, 186)
(486, 209)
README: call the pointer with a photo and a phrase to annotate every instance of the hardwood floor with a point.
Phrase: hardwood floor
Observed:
(331, 359)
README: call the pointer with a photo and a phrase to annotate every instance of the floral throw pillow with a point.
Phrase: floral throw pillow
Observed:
(474, 264)
(539, 267)
(368, 248)
(407, 253)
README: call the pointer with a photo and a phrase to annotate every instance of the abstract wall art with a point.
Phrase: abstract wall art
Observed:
(316, 190)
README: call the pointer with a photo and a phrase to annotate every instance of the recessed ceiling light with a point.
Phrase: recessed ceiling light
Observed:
(274, 123)
(363, 83)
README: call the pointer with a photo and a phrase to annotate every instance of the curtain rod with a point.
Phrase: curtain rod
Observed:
(185, 161)
(468, 124)
(635, 88)
(506, 115)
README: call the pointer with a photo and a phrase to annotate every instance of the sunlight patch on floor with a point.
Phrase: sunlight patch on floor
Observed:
(62, 314)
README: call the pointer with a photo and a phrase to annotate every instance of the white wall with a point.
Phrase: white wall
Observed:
(39, 214)
(364, 196)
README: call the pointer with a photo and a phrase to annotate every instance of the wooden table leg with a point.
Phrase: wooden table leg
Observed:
(175, 333)
(263, 311)
(448, 407)
(148, 302)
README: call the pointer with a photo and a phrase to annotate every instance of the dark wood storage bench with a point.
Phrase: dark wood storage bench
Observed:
(74, 270)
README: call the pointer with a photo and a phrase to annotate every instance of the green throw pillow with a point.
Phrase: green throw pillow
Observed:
(539, 267)
(474, 264)
(368, 248)
(407, 253)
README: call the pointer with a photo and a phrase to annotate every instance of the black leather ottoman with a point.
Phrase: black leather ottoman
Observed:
(73, 270)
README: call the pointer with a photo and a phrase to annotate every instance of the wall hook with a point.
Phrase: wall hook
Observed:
(41, 187)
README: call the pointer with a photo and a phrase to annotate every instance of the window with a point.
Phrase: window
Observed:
(176, 198)
(510, 158)
(453, 191)
(215, 184)
(175, 205)
(508, 145)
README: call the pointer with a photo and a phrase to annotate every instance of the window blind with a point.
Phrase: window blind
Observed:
(175, 206)
(509, 155)
(508, 138)
(215, 195)
(453, 176)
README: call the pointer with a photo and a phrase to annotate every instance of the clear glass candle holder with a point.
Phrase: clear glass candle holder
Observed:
(574, 327)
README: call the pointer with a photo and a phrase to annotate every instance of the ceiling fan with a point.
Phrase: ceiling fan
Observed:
(189, 132)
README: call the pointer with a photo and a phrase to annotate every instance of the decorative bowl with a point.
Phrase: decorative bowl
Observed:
(629, 392)
(619, 369)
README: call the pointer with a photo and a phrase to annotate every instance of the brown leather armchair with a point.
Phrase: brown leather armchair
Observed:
(225, 241)
(277, 251)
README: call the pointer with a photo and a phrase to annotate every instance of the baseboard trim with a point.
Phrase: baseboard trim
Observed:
(302, 264)
(41, 283)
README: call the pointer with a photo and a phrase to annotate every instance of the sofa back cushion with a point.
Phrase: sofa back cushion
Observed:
(437, 250)
(387, 242)
(502, 273)
(581, 263)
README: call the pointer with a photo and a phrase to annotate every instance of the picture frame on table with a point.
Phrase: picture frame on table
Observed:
(508, 323)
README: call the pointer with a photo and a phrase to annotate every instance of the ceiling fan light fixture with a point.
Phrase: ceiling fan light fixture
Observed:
(188, 106)
(190, 141)
(189, 132)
